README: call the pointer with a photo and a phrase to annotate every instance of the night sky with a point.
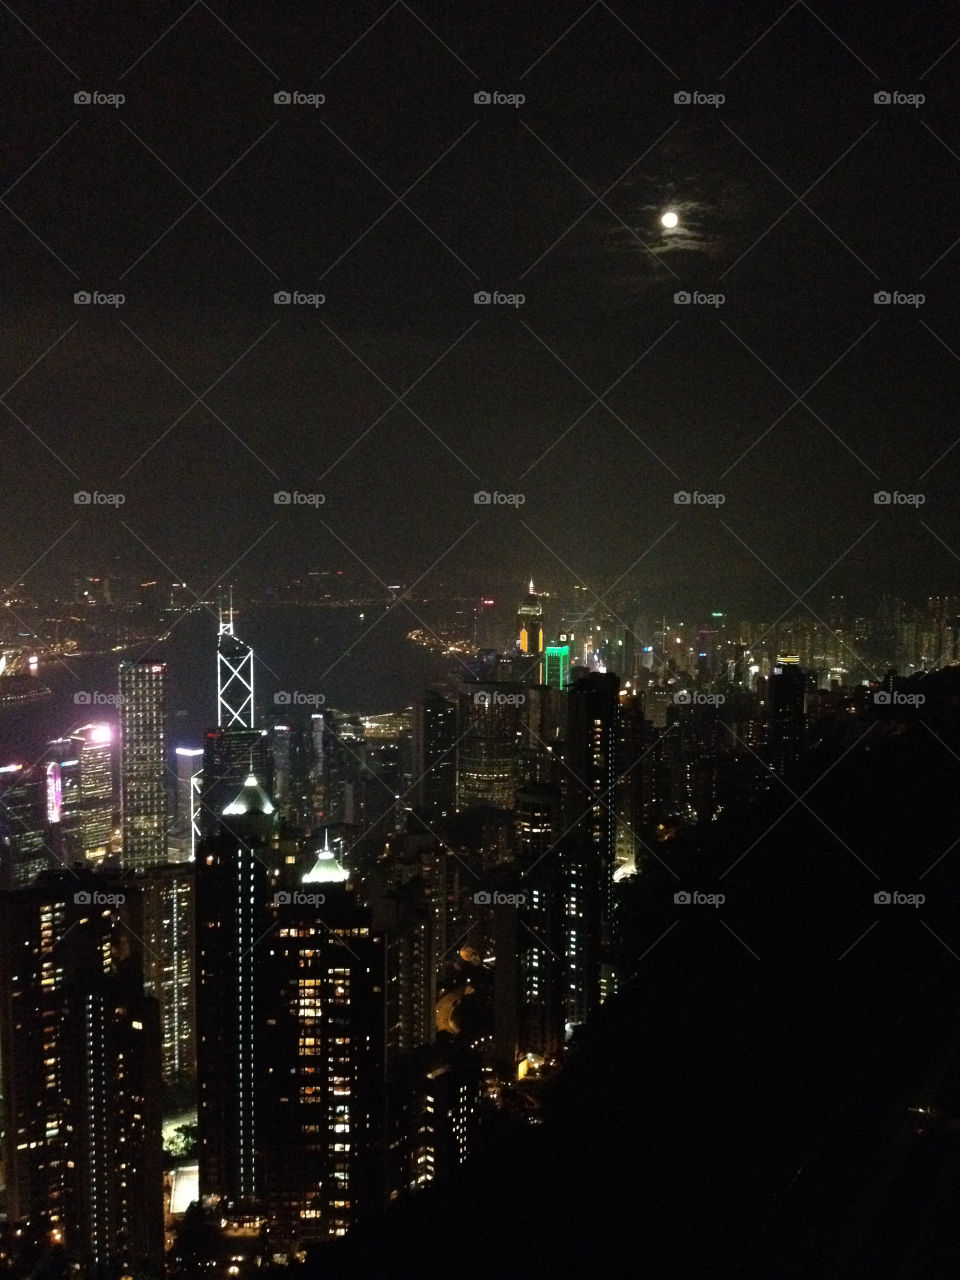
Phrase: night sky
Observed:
(199, 198)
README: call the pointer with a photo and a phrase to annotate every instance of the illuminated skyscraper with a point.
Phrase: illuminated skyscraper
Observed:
(143, 792)
(79, 1043)
(590, 822)
(290, 1002)
(488, 735)
(557, 666)
(168, 964)
(530, 636)
(24, 850)
(235, 701)
(189, 793)
(95, 743)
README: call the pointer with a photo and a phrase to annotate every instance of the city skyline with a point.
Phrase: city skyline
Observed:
(480, 640)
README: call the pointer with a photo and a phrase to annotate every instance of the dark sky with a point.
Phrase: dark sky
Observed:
(798, 197)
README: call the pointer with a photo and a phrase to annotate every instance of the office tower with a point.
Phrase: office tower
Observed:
(95, 752)
(24, 851)
(187, 829)
(530, 623)
(79, 1043)
(589, 846)
(143, 791)
(290, 1002)
(235, 701)
(435, 757)
(167, 895)
(787, 715)
(488, 732)
(229, 757)
(557, 665)
(64, 819)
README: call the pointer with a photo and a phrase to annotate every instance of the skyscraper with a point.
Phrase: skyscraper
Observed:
(291, 1006)
(235, 700)
(24, 851)
(488, 734)
(590, 821)
(79, 1043)
(435, 758)
(143, 792)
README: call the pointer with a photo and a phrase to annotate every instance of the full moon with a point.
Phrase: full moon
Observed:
(669, 219)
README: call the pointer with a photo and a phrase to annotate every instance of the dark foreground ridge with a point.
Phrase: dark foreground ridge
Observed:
(782, 1102)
